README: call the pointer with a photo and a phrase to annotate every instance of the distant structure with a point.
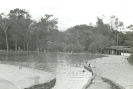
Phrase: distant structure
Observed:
(118, 50)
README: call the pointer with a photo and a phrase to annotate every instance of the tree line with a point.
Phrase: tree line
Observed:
(19, 32)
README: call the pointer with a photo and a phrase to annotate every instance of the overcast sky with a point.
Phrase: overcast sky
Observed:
(74, 12)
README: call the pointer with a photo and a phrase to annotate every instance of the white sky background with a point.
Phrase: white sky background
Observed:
(74, 12)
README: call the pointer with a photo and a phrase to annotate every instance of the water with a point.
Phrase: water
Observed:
(46, 61)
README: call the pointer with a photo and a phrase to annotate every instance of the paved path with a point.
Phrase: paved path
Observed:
(98, 82)
(97, 85)
(115, 68)
(71, 77)
(5, 84)
(12, 77)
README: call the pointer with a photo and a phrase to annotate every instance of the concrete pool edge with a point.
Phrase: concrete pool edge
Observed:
(91, 79)
(113, 84)
(27, 77)
(89, 82)
(46, 85)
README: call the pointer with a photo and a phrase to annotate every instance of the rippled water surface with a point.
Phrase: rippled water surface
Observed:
(46, 61)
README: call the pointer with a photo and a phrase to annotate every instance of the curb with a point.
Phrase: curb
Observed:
(47, 85)
(91, 79)
(89, 82)
(113, 84)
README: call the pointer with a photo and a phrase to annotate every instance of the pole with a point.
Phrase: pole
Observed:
(101, 54)
(117, 39)
(117, 43)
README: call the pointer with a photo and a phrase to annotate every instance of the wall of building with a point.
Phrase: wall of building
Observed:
(125, 54)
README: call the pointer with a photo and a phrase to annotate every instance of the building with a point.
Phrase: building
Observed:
(118, 50)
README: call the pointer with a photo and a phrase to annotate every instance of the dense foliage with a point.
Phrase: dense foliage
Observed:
(19, 32)
(129, 36)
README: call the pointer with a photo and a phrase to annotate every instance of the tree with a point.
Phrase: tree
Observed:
(102, 36)
(129, 36)
(42, 29)
(5, 24)
(99, 42)
(20, 27)
(78, 38)
(130, 27)
(115, 23)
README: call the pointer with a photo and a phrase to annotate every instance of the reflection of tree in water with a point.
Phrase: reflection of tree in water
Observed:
(75, 60)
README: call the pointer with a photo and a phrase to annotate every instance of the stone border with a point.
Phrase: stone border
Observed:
(47, 85)
(91, 79)
(89, 82)
(113, 84)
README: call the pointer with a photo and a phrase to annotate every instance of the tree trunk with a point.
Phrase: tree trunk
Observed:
(16, 45)
(101, 51)
(37, 47)
(37, 44)
(24, 45)
(27, 46)
(6, 46)
(6, 42)
(118, 39)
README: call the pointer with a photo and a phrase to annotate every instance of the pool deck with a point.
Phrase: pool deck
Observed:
(71, 77)
(95, 82)
(11, 77)
(115, 68)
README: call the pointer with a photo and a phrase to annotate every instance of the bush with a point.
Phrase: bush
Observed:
(131, 58)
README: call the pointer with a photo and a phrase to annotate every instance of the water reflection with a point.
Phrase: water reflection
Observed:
(47, 61)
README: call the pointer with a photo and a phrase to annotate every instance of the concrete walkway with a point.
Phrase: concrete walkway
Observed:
(96, 82)
(11, 77)
(115, 68)
(71, 77)
(5, 84)
(97, 85)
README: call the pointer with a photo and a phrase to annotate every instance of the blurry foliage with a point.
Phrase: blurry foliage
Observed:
(34, 35)
(129, 37)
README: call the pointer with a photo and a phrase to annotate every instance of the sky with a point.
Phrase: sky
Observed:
(73, 12)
